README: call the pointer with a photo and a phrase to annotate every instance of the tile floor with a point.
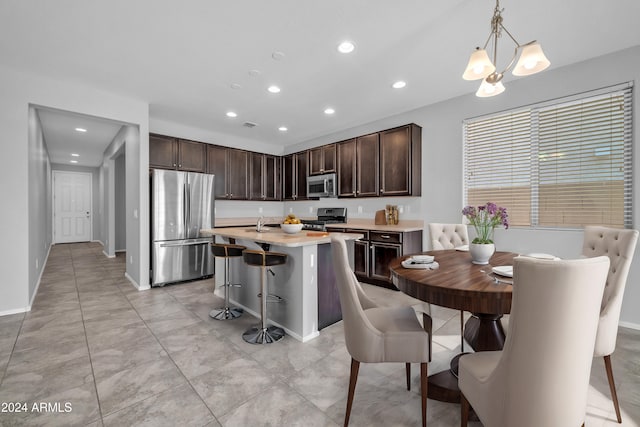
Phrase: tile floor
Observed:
(99, 352)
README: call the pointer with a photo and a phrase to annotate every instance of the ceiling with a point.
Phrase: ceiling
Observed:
(185, 58)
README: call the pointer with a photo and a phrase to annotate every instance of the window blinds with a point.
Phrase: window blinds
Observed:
(565, 164)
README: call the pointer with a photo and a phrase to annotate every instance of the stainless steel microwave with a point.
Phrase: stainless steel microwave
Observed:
(322, 185)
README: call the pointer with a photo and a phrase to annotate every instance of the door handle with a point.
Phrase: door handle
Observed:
(174, 245)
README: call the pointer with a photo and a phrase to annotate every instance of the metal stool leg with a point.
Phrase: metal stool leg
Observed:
(226, 312)
(263, 334)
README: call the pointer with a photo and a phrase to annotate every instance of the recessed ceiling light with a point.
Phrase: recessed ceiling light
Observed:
(236, 86)
(75, 155)
(81, 130)
(231, 114)
(277, 55)
(73, 161)
(254, 73)
(399, 84)
(283, 129)
(273, 89)
(329, 111)
(346, 47)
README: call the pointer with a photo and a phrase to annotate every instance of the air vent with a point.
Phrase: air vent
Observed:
(249, 125)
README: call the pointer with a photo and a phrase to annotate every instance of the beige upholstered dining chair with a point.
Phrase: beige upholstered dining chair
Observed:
(376, 334)
(619, 246)
(541, 377)
(450, 236)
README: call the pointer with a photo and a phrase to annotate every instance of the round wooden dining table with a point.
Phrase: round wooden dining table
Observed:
(461, 285)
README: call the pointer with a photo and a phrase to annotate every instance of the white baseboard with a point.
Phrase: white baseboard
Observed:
(630, 325)
(35, 291)
(135, 284)
(107, 255)
(15, 311)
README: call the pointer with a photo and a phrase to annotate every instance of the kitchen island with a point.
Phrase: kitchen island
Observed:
(306, 283)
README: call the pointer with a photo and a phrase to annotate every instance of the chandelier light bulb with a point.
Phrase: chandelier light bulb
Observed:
(487, 89)
(479, 65)
(532, 60)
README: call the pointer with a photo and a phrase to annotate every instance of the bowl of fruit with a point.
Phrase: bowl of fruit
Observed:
(291, 224)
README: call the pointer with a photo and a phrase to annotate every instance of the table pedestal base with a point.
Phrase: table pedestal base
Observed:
(483, 332)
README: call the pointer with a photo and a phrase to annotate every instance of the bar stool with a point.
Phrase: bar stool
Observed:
(226, 251)
(263, 334)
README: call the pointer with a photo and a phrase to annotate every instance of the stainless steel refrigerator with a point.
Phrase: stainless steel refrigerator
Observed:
(182, 203)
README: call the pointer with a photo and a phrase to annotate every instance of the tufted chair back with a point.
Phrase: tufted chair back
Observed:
(619, 245)
(448, 236)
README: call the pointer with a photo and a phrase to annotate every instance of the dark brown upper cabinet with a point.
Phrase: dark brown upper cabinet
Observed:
(368, 154)
(171, 153)
(295, 169)
(192, 156)
(322, 159)
(346, 170)
(400, 161)
(231, 168)
(358, 165)
(162, 152)
(264, 177)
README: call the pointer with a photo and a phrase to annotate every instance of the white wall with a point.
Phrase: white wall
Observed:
(120, 194)
(40, 206)
(134, 143)
(22, 223)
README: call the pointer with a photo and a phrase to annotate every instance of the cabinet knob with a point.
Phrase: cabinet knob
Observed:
(174, 165)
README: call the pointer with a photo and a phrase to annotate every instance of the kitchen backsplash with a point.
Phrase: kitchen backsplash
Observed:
(408, 207)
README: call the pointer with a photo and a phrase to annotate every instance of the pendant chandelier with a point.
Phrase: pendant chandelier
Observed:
(531, 60)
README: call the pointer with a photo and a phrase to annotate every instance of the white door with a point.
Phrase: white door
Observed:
(71, 207)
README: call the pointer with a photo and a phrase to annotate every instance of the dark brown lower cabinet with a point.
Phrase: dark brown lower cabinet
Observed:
(373, 253)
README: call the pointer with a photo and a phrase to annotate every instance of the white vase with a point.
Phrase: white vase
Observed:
(481, 252)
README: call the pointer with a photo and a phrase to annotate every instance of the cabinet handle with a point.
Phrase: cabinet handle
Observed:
(179, 166)
(174, 165)
(385, 236)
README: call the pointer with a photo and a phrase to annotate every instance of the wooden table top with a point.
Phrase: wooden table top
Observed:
(458, 283)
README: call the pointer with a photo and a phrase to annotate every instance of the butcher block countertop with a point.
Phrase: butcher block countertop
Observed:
(275, 236)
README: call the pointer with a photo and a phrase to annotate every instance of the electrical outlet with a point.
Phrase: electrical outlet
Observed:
(400, 209)
(359, 209)
(260, 210)
(290, 210)
(130, 259)
(310, 209)
(37, 263)
(135, 213)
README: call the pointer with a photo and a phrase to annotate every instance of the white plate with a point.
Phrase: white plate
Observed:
(503, 270)
(420, 265)
(542, 256)
(463, 248)
(422, 258)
